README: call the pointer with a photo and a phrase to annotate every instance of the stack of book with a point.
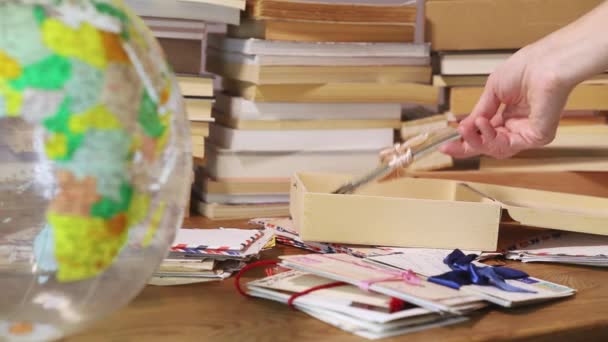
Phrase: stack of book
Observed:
(468, 51)
(181, 28)
(314, 86)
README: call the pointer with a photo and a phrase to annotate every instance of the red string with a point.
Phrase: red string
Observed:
(394, 305)
(313, 289)
(237, 279)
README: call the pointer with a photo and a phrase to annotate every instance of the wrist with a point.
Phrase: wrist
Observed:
(578, 51)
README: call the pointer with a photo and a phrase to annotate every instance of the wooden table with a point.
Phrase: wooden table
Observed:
(214, 311)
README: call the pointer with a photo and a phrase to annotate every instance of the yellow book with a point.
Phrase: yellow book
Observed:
(583, 97)
(306, 74)
(216, 211)
(302, 31)
(278, 125)
(597, 164)
(199, 109)
(198, 128)
(335, 92)
(195, 86)
(412, 128)
(319, 11)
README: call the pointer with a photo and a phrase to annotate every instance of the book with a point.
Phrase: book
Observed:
(257, 73)
(228, 165)
(335, 92)
(582, 118)
(176, 28)
(582, 163)
(300, 140)
(412, 128)
(592, 136)
(204, 183)
(184, 55)
(563, 152)
(195, 86)
(238, 199)
(475, 63)
(216, 211)
(238, 108)
(306, 124)
(480, 80)
(308, 60)
(497, 24)
(395, 12)
(432, 161)
(209, 11)
(583, 97)
(261, 47)
(285, 125)
(238, 4)
(321, 32)
(199, 128)
(199, 109)
(198, 149)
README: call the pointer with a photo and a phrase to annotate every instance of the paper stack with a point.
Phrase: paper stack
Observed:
(394, 294)
(285, 234)
(366, 314)
(199, 255)
(364, 290)
(562, 247)
(314, 86)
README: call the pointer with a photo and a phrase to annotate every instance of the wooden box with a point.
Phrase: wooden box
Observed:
(433, 213)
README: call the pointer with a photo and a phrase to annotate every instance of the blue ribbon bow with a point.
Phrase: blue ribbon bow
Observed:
(464, 272)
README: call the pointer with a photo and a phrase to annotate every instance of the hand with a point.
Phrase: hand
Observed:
(519, 108)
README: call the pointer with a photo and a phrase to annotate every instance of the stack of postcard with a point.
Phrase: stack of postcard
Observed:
(286, 235)
(381, 292)
(367, 314)
(562, 247)
(199, 255)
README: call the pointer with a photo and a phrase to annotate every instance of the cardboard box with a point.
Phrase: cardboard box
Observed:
(433, 213)
(497, 24)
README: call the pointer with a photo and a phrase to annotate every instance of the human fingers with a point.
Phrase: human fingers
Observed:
(459, 149)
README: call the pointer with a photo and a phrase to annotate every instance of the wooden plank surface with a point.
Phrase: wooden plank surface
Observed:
(214, 311)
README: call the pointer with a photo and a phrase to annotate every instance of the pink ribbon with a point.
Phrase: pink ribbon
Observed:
(408, 277)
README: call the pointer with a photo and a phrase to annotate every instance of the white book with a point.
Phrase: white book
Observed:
(283, 60)
(191, 10)
(254, 46)
(239, 4)
(365, 2)
(471, 63)
(244, 198)
(223, 164)
(176, 28)
(300, 140)
(242, 109)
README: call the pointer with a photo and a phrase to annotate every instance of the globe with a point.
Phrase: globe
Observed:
(95, 163)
